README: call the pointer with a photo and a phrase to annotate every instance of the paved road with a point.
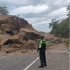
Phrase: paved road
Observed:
(29, 61)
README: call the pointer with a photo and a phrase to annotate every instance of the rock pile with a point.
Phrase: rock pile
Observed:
(16, 34)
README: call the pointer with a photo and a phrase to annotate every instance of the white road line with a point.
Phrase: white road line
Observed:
(3, 57)
(31, 64)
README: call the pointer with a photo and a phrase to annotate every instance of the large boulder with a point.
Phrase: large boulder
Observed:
(28, 34)
(31, 36)
(7, 39)
(12, 24)
(17, 34)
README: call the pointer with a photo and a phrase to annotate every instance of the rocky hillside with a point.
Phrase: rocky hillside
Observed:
(16, 34)
(12, 24)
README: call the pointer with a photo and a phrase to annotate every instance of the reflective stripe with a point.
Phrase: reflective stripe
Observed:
(40, 44)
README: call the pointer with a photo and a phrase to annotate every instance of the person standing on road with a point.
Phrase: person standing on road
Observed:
(42, 49)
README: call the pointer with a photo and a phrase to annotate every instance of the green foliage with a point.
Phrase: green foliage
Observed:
(54, 26)
(68, 9)
(60, 29)
(53, 23)
(4, 10)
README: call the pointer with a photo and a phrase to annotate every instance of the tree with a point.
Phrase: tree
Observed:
(60, 29)
(68, 9)
(53, 25)
(4, 11)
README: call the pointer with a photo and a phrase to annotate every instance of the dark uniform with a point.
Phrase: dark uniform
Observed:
(42, 49)
(0, 47)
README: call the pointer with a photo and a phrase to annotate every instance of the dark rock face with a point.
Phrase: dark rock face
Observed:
(12, 41)
(31, 35)
(18, 22)
(13, 23)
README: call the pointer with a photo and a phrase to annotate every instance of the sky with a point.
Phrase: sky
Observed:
(39, 13)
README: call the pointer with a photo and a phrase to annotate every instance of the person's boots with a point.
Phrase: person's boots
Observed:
(45, 64)
(41, 66)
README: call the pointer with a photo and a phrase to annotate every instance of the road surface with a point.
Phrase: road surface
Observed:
(56, 60)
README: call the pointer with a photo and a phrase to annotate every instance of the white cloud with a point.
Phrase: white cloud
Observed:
(43, 27)
(37, 12)
(40, 24)
(67, 2)
(35, 20)
(61, 2)
(29, 9)
(46, 22)
(14, 2)
(59, 12)
(58, 2)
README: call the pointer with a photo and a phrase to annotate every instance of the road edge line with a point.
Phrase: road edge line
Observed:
(31, 64)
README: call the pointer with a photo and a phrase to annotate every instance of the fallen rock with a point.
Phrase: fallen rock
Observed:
(10, 23)
(29, 34)
(11, 41)
(17, 34)
(30, 44)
